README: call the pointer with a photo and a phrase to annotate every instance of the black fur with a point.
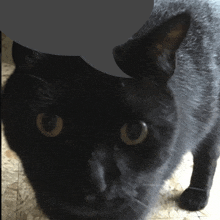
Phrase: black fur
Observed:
(88, 171)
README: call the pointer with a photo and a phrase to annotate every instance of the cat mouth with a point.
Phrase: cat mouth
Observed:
(99, 208)
(87, 211)
(106, 210)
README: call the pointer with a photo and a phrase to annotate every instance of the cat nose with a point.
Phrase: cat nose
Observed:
(103, 169)
(98, 175)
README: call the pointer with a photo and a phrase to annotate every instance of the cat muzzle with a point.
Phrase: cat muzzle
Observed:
(97, 208)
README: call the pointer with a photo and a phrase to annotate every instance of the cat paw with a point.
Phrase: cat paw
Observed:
(193, 199)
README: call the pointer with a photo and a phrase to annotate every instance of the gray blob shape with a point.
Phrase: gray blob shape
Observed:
(90, 29)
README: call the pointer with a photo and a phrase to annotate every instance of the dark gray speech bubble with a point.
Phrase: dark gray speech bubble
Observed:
(86, 28)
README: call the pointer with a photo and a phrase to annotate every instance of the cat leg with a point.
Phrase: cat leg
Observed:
(195, 197)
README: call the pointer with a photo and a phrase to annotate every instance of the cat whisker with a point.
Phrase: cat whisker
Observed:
(154, 185)
(134, 200)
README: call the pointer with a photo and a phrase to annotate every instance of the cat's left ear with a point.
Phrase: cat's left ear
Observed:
(25, 56)
(153, 54)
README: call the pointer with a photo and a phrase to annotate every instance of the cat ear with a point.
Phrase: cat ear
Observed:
(153, 54)
(24, 56)
(167, 39)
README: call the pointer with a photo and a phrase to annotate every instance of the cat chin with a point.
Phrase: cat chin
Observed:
(122, 210)
(87, 212)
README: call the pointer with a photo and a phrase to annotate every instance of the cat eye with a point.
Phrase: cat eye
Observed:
(48, 125)
(132, 134)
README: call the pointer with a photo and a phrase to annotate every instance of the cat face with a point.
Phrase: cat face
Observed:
(90, 145)
(95, 146)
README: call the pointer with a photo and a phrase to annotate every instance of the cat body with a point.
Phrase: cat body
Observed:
(95, 146)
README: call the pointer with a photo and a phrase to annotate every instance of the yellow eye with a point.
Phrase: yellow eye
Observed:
(134, 134)
(50, 126)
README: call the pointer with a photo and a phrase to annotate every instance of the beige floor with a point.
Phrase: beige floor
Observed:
(18, 201)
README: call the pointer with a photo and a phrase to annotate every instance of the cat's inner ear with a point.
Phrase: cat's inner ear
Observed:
(167, 39)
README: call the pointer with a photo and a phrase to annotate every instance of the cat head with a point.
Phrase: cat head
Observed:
(95, 146)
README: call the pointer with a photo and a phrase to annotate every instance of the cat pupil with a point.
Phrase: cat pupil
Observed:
(134, 131)
(49, 125)
(49, 122)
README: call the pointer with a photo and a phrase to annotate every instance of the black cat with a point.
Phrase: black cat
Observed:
(95, 146)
